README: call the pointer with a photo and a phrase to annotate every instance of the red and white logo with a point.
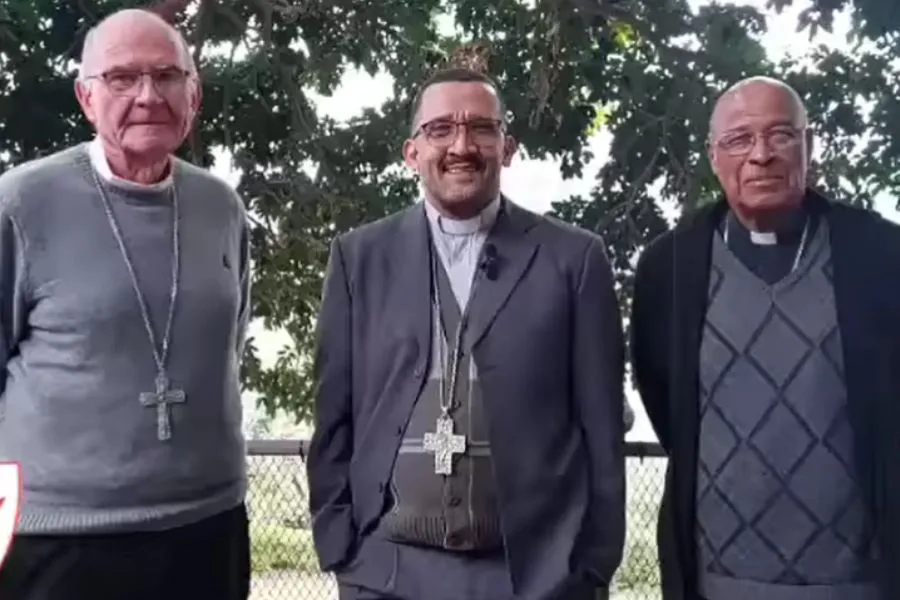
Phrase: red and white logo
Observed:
(10, 499)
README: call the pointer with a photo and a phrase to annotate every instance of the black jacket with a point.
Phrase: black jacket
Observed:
(668, 313)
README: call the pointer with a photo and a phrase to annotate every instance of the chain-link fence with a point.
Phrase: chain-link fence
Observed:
(284, 563)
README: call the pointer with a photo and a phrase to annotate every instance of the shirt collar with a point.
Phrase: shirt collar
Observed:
(101, 165)
(481, 222)
(790, 233)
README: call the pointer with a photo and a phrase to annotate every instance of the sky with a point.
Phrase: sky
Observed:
(535, 184)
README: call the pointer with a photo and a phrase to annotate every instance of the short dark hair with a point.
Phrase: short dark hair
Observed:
(453, 75)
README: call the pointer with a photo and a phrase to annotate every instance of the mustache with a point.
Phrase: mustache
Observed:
(471, 159)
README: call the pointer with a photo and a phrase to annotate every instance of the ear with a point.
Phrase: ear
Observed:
(711, 156)
(510, 145)
(411, 154)
(810, 145)
(196, 95)
(83, 94)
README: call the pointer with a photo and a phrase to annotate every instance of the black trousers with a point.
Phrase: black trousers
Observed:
(208, 560)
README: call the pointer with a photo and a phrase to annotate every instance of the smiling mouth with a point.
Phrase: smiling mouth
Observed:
(462, 170)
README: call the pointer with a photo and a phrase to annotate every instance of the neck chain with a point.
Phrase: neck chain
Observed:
(447, 397)
(160, 351)
(800, 249)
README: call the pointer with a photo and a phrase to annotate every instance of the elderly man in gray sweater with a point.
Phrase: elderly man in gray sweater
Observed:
(123, 307)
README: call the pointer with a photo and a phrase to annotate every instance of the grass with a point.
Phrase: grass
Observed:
(280, 548)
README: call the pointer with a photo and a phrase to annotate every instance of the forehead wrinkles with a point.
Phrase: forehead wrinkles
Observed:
(149, 49)
(133, 38)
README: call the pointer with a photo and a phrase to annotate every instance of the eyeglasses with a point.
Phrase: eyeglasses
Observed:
(778, 139)
(127, 82)
(443, 132)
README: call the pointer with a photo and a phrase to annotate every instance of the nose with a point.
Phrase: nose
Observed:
(146, 90)
(462, 143)
(760, 153)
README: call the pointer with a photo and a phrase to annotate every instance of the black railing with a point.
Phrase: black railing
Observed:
(284, 564)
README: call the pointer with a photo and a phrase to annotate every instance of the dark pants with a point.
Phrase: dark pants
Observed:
(384, 570)
(208, 560)
(351, 592)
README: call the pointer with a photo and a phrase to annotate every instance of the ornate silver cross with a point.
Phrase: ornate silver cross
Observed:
(445, 444)
(161, 399)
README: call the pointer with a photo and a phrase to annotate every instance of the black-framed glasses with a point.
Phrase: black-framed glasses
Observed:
(443, 132)
(777, 139)
(127, 82)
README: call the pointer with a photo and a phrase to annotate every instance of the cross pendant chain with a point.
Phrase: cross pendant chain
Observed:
(163, 396)
(161, 399)
(444, 444)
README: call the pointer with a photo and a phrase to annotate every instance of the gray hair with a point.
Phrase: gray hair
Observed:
(94, 33)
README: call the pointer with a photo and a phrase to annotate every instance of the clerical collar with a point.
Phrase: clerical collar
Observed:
(481, 222)
(789, 234)
(101, 165)
(764, 238)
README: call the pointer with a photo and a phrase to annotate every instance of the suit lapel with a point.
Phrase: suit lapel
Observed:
(515, 251)
(411, 260)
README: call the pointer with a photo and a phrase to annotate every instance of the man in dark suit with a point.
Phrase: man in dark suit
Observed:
(765, 348)
(469, 416)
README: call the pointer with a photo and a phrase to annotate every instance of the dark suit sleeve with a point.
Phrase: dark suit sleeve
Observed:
(331, 447)
(598, 386)
(649, 323)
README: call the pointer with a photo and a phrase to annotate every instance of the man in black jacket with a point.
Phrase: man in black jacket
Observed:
(765, 345)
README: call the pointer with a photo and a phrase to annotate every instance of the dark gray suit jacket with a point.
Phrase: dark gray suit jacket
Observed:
(549, 347)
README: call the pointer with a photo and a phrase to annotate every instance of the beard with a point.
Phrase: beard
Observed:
(463, 198)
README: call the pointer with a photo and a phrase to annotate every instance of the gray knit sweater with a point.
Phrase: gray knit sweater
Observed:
(77, 357)
(780, 512)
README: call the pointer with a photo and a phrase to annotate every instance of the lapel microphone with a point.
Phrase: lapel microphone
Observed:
(490, 263)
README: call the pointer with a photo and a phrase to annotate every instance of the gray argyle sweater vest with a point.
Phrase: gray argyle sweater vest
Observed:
(780, 513)
(458, 511)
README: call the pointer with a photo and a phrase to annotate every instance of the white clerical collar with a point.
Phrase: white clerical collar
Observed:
(767, 238)
(101, 165)
(480, 222)
(764, 238)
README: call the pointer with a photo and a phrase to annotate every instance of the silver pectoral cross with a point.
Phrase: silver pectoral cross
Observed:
(445, 444)
(161, 399)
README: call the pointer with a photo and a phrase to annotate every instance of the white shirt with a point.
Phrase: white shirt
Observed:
(101, 165)
(459, 242)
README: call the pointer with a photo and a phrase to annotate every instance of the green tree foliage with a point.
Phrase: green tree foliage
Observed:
(874, 19)
(667, 81)
(644, 71)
